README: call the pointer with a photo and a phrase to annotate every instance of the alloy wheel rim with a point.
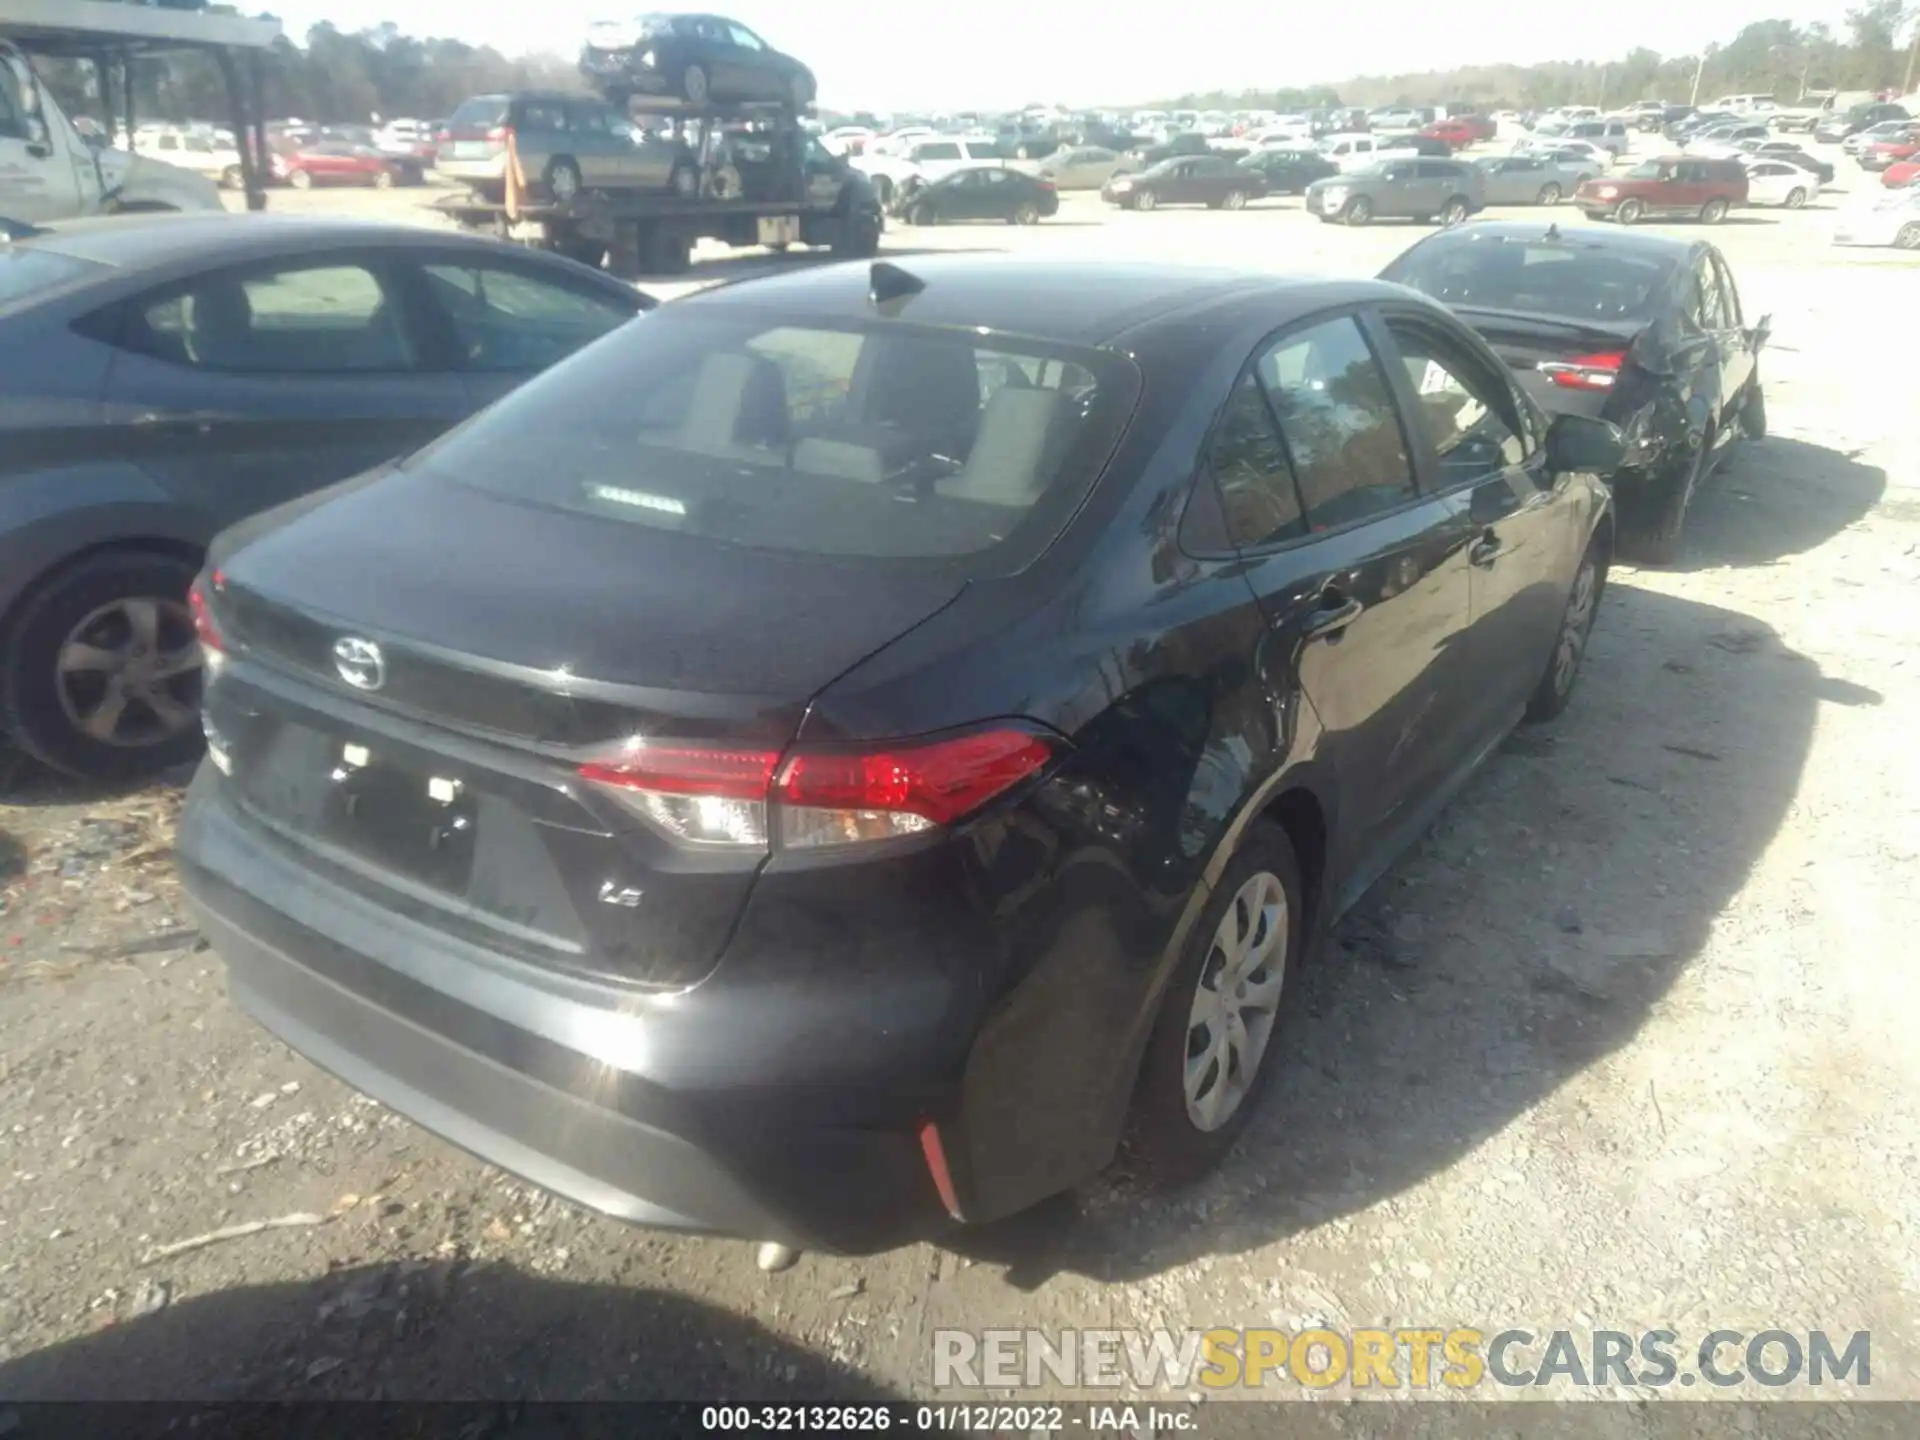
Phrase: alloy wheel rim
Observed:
(1236, 1002)
(128, 675)
(564, 184)
(1575, 628)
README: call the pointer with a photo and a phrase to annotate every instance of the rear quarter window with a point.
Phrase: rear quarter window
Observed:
(479, 114)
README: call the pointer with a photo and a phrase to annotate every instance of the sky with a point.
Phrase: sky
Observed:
(1007, 53)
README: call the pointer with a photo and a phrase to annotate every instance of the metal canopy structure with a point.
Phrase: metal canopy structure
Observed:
(76, 29)
(110, 36)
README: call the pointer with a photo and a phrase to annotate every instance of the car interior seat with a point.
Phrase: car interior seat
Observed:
(1010, 461)
(738, 409)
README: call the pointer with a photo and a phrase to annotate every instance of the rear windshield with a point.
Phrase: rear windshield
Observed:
(26, 273)
(1572, 282)
(482, 113)
(876, 441)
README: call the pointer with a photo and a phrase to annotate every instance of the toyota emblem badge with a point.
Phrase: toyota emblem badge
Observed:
(359, 662)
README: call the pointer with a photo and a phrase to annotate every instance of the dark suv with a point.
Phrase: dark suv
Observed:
(1676, 187)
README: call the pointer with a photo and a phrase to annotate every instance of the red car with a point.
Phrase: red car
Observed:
(330, 164)
(1898, 177)
(1885, 153)
(1456, 131)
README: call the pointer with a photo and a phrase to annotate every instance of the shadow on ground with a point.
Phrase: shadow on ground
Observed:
(1529, 935)
(433, 1331)
(1768, 499)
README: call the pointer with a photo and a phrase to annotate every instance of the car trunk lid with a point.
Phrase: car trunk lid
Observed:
(1566, 366)
(413, 717)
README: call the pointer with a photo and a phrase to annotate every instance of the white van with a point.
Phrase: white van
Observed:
(1745, 104)
(1357, 151)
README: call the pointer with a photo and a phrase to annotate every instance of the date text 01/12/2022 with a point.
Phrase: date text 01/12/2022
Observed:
(1093, 1419)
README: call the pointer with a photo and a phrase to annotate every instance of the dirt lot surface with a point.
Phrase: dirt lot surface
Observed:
(1627, 1042)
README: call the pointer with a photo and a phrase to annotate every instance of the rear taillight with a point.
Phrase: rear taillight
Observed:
(816, 799)
(1046, 184)
(499, 134)
(205, 627)
(1585, 372)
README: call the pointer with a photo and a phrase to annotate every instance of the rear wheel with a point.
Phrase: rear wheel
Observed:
(684, 182)
(1235, 200)
(300, 180)
(1713, 212)
(1753, 410)
(1628, 212)
(693, 85)
(231, 178)
(923, 214)
(1909, 236)
(1145, 200)
(1026, 213)
(1796, 198)
(1211, 1049)
(1655, 523)
(383, 180)
(1455, 213)
(1549, 194)
(1358, 212)
(102, 671)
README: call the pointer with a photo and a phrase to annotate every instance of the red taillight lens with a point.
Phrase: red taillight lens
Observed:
(1046, 184)
(745, 798)
(204, 625)
(1586, 372)
(499, 133)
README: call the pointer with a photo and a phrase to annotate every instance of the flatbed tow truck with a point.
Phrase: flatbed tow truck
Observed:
(800, 194)
(50, 171)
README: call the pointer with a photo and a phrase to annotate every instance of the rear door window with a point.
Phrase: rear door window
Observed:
(293, 319)
(1250, 469)
(1340, 424)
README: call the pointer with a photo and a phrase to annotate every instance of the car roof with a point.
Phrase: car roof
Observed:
(138, 242)
(1073, 301)
(1590, 237)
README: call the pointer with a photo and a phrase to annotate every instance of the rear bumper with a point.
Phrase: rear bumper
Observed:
(554, 1080)
(475, 171)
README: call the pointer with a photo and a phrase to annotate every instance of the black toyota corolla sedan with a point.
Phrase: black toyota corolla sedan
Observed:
(848, 748)
(1644, 331)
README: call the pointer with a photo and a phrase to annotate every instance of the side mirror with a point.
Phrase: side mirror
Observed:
(1575, 442)
(1763, 332)
(38, 144)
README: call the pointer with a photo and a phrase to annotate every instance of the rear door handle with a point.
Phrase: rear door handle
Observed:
(1335, 614)
(1485, 551)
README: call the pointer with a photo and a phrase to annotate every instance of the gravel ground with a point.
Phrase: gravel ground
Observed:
(1626, 1042)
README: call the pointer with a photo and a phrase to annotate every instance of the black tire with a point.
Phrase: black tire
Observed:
(1025, 213)
(1753, 410)
(859, 237)
(882, 189)
(31, 708)
(693, 85)
(1549, 194)
(1714, 211)
(300, 180)
(383, 180)
(1629, 211)
(1454, 212)
(1235, 200)
(1358, 211)
(923, 214)
(1557, 681)
(1145, 200)
(1797, 198)
(231, 178)
(684, 181)
(1909, 236)
(1653, 527)
(562, 180)
(1164, 1143)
